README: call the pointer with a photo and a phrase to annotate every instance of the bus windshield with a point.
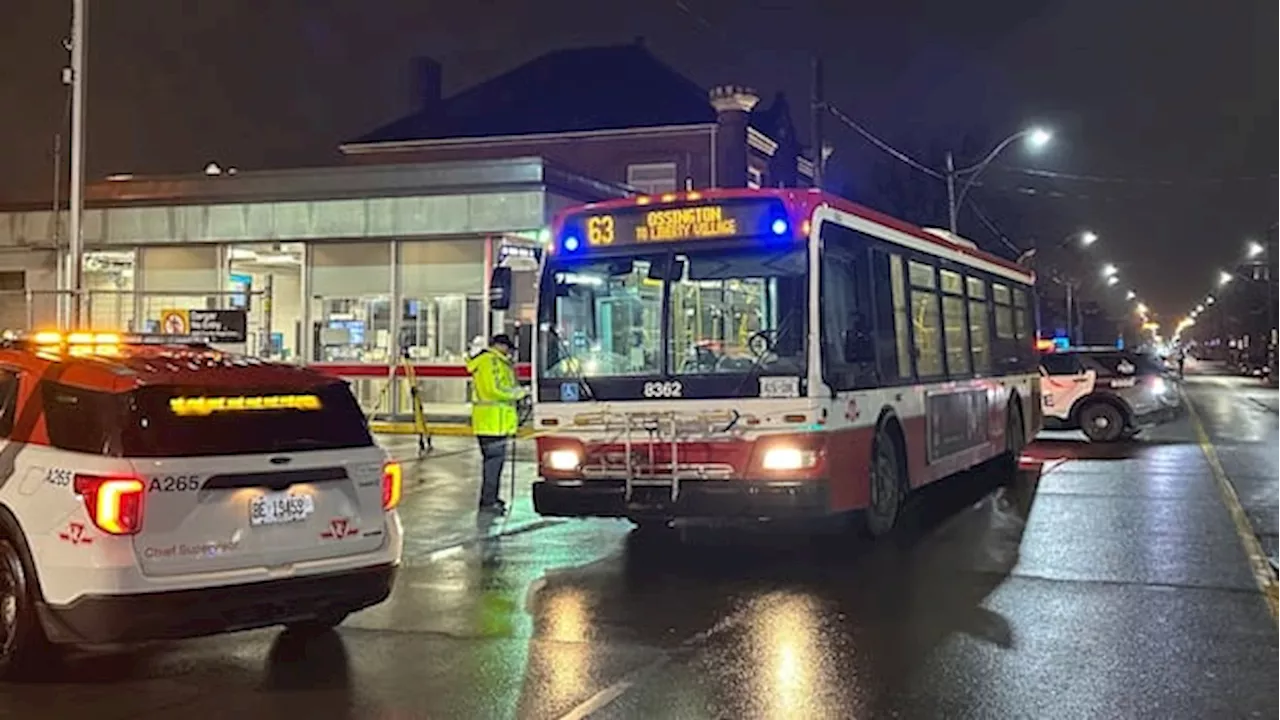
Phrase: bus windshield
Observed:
(686, 312)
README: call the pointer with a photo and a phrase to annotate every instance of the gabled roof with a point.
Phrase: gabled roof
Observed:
(581, 89)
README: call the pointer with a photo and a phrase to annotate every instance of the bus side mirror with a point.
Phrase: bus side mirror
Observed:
(500, 289)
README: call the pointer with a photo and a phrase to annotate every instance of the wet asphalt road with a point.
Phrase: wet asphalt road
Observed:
(1111, 583)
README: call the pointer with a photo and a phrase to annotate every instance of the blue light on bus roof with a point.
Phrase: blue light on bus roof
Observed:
(571, 243)
(779, 227)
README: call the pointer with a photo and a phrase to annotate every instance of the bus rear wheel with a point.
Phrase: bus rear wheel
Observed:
(887, 484)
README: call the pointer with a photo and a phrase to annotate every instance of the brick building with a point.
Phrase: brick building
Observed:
(615, 113)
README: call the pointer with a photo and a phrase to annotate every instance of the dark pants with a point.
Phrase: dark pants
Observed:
(493, 451)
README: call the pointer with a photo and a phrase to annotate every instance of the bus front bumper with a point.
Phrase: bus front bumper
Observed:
(692, 499)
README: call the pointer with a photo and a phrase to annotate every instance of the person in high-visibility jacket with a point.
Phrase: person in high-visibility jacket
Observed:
(494, 418)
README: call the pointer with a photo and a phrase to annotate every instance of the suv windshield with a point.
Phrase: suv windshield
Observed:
(714, 311)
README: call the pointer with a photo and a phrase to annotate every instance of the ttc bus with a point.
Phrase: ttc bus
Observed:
(770, 354)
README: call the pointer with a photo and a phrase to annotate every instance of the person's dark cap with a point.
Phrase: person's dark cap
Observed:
(502, 339)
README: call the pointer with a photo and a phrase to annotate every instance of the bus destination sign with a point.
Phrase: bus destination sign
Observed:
(708, 221)
(699, 222)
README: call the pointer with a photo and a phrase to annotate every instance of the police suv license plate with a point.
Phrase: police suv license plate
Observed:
(280, 507)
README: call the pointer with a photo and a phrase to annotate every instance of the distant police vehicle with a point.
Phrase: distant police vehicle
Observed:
(1110, 394)
(155, 490)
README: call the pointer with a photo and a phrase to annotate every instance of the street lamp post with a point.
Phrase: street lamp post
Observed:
(75, 244)
(1036, 137)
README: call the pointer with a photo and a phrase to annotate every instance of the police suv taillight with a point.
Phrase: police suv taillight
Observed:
(392, 485)
(114, 504)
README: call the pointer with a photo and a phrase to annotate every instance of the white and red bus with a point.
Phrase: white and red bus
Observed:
(770, 354)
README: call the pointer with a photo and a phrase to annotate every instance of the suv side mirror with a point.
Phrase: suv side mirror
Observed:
(858, 347)
(500, 288)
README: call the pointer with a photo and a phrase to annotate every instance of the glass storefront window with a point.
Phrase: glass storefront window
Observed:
(109, 286)
(442, 309)
(351, 302)
(253, 270)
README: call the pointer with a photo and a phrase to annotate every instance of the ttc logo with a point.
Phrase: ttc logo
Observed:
(339, 528)
(75, 535)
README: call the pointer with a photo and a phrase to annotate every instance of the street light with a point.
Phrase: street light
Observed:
(1036, 139)
(1255, 249)
(1199, 309)
(1142, 309)
(1109, 271)
(1088, 238)
(1224, 277)
(1113, 280)
(1130, 295)
(1209, 300)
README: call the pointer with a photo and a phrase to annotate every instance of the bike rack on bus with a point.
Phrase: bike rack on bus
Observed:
(664, 427)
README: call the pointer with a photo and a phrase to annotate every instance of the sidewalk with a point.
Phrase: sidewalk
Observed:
(442, 489)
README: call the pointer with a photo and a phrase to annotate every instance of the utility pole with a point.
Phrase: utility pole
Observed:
(75, 254)
(951, 194)
(818, 111)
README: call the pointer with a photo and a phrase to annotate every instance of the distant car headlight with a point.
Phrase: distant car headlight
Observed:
(788, 458)
(562, 460)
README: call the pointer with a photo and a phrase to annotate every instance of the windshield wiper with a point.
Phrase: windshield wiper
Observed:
(567, 355)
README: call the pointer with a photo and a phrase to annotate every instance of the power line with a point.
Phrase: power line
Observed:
(1052, 174)
(982, 217)
(901, 156)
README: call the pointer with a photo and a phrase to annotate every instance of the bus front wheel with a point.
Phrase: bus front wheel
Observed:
(887, 483)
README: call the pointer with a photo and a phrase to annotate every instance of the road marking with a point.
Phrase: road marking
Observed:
(1262, 572)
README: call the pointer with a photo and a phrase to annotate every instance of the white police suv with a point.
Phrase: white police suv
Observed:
(155, 490)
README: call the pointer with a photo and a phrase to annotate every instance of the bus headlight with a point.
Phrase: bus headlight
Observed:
(788, 458)
(562, 460)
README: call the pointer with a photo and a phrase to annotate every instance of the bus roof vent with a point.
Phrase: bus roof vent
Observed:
(953, 239)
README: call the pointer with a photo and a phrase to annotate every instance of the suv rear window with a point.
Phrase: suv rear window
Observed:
(142, 423)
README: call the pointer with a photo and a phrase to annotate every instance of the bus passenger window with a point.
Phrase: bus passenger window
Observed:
(926, 321)
(901, 331)
(979, 324)
(954, 325)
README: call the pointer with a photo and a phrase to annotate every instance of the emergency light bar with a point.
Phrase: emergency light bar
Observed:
(82, 342)
(202, 406)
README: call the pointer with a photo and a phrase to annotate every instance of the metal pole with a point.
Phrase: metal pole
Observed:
(1071, 320)
(951, 194)
(818, 110)
(1271, 308)
(75, 252)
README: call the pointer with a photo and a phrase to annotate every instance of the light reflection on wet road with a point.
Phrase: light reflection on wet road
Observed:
(1113, 586)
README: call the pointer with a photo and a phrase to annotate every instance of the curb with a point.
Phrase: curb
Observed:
(1264, 571)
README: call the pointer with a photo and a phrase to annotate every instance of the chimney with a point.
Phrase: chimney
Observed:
(732, 104)
(426, 83)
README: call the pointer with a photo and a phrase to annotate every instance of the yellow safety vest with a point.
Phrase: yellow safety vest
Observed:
(494, 393)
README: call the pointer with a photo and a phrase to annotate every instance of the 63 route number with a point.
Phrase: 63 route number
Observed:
(174, 483)
(667, 389)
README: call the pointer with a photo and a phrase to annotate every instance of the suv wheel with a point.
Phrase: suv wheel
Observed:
(1102, 422)
(22, 640)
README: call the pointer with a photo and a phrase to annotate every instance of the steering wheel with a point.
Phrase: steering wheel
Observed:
(760, 342)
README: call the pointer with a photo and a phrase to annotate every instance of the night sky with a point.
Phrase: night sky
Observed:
(1168, 107)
